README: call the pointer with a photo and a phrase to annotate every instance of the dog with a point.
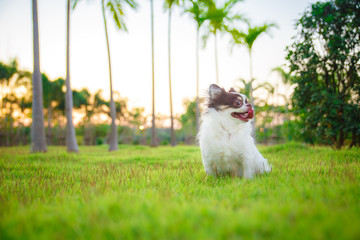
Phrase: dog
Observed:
(226, 144)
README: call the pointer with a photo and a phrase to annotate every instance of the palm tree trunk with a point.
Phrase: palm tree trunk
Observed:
(7, 132)
(71, 142)
(216, 60)
(173, 143)
(49, 132)
(113, 134)
(87, 127)
(251, 95)
(7, 129)
(38, 142)
(113, 143)
(251, 79)
(197, 80)
(11, 128)
(153, 128)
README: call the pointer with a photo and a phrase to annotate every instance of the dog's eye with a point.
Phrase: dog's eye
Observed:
(237, 102)
(246, 101)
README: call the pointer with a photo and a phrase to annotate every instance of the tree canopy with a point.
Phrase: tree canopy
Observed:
(324, 59)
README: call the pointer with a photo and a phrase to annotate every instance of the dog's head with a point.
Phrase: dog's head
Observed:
(231, 103)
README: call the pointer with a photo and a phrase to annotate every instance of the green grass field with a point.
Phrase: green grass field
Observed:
(163, 193)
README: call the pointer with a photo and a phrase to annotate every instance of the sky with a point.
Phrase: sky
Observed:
(131, 51)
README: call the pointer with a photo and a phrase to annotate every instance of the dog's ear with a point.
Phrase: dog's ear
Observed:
(214, 91)
(232, 90)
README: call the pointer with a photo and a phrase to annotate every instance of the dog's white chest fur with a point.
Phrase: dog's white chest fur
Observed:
(227, 146)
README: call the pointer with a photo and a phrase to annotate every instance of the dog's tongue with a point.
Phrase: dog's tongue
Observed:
(250, 114)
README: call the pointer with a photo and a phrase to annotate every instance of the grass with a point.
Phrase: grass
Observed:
(163, 193)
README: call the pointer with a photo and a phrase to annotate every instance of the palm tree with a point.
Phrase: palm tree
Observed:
(220, 18)
(38, 142)
(168, 5)
(248, 40)
(153, 128)
(287, 80)
(71, 143)
(116, 8)
(197, 11)
(246, 89)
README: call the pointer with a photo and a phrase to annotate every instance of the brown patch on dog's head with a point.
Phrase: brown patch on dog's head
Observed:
(221, 99)
(232, 103)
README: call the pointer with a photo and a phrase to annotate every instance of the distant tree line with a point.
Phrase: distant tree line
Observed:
(91, 109)
(92, 113)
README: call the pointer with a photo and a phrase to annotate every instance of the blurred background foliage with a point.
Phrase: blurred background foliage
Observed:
(319, 104)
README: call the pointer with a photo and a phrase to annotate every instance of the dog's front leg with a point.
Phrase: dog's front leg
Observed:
(211, 171)
(248, 172)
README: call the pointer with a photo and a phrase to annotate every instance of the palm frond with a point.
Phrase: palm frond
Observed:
(222, 18)
(209, 3)
(74, 3)
(117, 10)
(231, 3)
(169, 3)
(285, 76)
(118, 13)
(238, 17)
(238, 37)
(267, 86)
(131, 3)
(254, 32)
(243, 87)
(197, 11)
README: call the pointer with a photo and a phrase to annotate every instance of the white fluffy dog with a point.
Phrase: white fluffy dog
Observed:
(225, 136)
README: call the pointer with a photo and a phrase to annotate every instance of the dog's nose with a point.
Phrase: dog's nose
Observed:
(248, 105)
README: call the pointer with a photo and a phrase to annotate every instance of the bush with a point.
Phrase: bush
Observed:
(325, 62)
(99, 141)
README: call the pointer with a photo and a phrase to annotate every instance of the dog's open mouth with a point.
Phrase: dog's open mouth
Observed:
(245, 116)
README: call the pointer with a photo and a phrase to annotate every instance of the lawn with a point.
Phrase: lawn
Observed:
(163, 193)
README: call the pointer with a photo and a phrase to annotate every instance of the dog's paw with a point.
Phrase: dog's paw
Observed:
(268, 168)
